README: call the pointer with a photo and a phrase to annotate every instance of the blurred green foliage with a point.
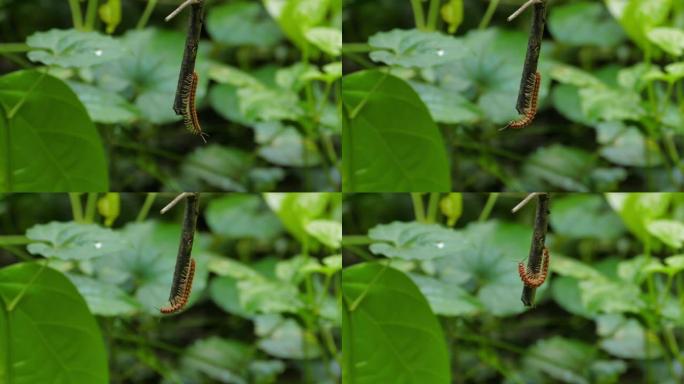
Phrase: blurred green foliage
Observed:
(611, 100)
(611, 310)
(267, 95)
(264, 303)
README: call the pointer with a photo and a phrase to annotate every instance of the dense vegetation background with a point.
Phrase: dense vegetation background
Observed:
(82, 279)
(431, 291)
(429, 84)
(87, 88)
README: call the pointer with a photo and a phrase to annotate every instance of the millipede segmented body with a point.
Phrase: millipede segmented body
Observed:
(532, 279)
(531, 111)
(180, 297)
(190, 119)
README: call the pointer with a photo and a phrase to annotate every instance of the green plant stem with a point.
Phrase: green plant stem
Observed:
(433, 14)
(14, 48)
(147, 205)
(76, 206)
(76, 16)
(8, 240)
(91, 13)
(418, 14)
(433, 203)
(91, 202)
(149, 8)
(489, 205)
(418, 207)
(487, 18)
(356, 240)
(356, 48)
(7, 169)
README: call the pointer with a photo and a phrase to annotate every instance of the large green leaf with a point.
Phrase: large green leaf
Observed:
(390, 335)
(390, 142)
(47, 140)
(47, 334)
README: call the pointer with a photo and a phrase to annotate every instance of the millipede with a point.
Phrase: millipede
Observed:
(532, 279)
(190, 119)
(181, 295)
(531, 111)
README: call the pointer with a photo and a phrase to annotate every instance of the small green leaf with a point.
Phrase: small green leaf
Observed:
(561, 166)
(670, 40)
(452, 13)
(104, 106)
(626, 145)
(627, 338)
(328, 40)
(670, 232)
(109, 207)
(296, 17)
(223, 360)
(327, 232)
(452, 207)
(72, 48)
(297, 210)
(446, 299)
(110, 13)
(285, 338)
(565, 360)
(446, 106)
(104, 299)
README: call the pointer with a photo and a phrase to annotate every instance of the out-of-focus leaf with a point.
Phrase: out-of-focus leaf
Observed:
(104, 299)
(446, 299)
(242, 23)
(220, 359)
(580, 215)
(72, 48)
(584, 23)
(74, 241)
(239, 216)
(414, 48)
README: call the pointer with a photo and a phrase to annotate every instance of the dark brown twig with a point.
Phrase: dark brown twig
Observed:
(534, 261)
(190, 53)
(532, 56)
(185, 246)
